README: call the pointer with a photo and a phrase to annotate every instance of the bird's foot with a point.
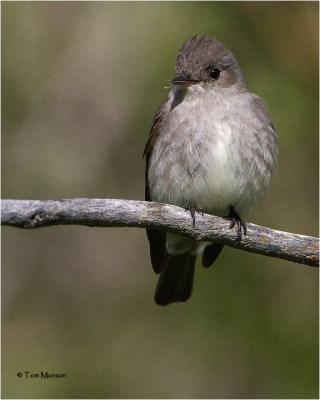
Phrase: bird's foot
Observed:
(236, 220)
(193, 211)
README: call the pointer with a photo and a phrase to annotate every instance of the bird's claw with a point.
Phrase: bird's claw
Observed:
(193, 211)
(236, 220)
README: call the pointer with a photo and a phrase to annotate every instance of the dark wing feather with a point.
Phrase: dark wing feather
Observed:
(158, 254)
(157, 239)
(210, 254)
(154, 130)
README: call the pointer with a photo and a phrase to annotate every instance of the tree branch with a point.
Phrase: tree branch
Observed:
(142, 214)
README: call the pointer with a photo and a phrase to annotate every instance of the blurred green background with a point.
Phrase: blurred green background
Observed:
(81, 82)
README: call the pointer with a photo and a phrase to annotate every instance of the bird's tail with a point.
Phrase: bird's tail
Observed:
(176, 279)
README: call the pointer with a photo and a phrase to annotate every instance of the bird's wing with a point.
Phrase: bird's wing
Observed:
(154, 129)
(157, 239)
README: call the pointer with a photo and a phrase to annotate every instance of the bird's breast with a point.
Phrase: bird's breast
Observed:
(199, 158)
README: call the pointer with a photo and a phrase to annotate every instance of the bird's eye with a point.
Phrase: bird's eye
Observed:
(215, 73)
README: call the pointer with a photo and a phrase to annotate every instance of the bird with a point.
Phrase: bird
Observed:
(212, 148)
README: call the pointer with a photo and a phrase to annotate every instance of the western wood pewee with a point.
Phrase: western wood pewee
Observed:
(212, 148)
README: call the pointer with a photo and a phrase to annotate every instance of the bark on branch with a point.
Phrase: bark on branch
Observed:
(116, 213)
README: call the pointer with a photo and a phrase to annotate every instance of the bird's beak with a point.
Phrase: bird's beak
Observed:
(183, 80)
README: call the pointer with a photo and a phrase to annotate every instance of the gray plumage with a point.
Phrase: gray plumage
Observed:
(212, 146)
